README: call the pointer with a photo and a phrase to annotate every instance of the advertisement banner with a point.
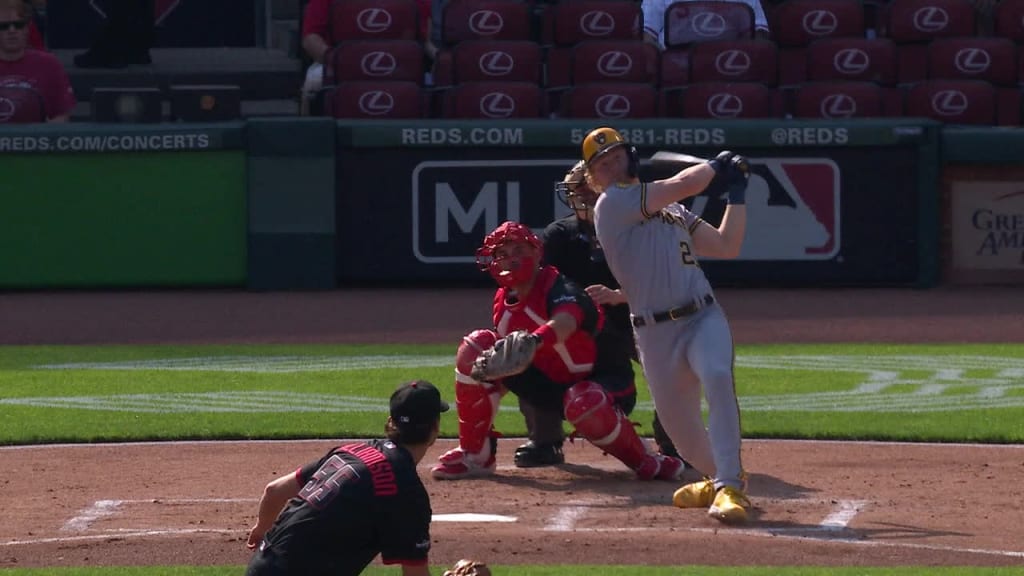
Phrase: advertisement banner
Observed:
(988, 226)
(815, 216)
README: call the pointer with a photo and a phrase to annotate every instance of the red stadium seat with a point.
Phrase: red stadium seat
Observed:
(367, 99)
(21, 105)
(734, 61)
(485, 60)
(675, 67)
(611, 100)
(839, 100)
(990, 59)
(567, 23)
(800, 22)
(374, 60)
(729, 100)
(373, 20)
(871, 60)
(699, 21)
(485, 20)
(953, 101)
(1009, 20)
(494, 100)
(615, 61)
(909, 21)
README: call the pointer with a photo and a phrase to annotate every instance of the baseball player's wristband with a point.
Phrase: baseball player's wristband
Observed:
(738, 193)
(547, 335)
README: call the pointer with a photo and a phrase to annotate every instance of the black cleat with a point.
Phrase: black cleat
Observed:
(532, 455)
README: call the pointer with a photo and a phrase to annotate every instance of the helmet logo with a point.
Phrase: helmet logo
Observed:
(376, 103)
(614, 63)
(949, 102)
(708, 24)
(838, 106)
(972, 60)
(851, 61)
(497, 105)
(732, 62)
(373, 20)
(931, 19)
(612, 106)
(379, 63)
(597, 23)
(820, 22)
(725, 105)
(486, 22)
(496, 63)
(600, 137)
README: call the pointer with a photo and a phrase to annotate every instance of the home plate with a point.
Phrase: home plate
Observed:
(467, 517)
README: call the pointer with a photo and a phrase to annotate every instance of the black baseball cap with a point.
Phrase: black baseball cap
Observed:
(416, 403)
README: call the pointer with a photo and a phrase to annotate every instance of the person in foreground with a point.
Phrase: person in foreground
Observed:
(652, 243)
(334, 515)
(542, 348)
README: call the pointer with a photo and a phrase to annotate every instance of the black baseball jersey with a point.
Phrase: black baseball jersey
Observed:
(571, 245)
(358, 501)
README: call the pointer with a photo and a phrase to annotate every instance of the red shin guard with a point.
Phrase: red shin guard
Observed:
(591, 411)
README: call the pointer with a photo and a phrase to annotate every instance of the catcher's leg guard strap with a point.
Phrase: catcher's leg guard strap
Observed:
(475, 402)
(589, 408)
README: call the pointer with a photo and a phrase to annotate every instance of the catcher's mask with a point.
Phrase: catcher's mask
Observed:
(600, 141)
(510, 254)
(574, 192)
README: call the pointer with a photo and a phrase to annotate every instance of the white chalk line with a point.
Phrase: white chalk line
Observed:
(845, 511)
(99, 509)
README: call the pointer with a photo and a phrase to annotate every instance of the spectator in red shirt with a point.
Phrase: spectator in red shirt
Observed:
(25, 68)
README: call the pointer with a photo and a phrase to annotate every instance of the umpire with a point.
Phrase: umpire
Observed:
(335, 514)
(570, 244)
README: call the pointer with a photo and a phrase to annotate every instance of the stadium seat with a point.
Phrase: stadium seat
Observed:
(374, 60)
(701, 20)
(866, 59)
(614, 61)
(123, 105)
(734, 61)
(21, 105)
(1009, 20)
(990, 59)
(485, 60)
(374, 99)
(566, 23)
(610, 100)
(493, 100)
(373, 20)
(724, 100)
(841, 100)
(953, 101)
(485, 20)
(909, 21)
(674, 68)
(800, 22)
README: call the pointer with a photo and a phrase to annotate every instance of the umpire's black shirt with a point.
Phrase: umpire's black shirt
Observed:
(571, 245)
(358, 501)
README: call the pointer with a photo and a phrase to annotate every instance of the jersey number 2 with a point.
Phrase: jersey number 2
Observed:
(687, 253)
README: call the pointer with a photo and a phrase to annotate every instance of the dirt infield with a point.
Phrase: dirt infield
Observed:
(816, 503)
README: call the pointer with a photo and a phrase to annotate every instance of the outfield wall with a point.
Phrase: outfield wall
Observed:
(311, 203)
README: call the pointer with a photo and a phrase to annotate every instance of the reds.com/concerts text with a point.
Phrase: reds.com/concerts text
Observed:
(107, 143)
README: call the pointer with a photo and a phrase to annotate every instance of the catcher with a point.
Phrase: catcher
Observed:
(334, 515)
(543, 350)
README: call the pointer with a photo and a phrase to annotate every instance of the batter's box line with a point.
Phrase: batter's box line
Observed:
(106, 508)
(127, 533)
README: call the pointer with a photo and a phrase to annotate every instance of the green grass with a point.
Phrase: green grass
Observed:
(786, 400)
(554, 570)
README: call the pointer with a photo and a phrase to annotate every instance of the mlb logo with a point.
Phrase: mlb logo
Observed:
(792, 209)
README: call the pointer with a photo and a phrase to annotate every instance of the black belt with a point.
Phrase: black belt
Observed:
(675, 313)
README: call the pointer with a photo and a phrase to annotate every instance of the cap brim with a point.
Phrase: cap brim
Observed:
(444, 406)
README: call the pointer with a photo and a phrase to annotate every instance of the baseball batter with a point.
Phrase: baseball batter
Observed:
(652, 243)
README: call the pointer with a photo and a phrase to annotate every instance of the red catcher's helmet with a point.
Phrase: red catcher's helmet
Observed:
(521, 269)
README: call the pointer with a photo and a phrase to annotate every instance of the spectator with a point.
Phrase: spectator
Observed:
(654, 19)
(22, 67)
(126, 37)
(35, 34)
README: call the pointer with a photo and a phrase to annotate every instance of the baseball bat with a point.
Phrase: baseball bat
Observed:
(675, 160)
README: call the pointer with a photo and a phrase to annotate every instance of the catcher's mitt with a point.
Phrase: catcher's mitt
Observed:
(467, 567)
(510, 355)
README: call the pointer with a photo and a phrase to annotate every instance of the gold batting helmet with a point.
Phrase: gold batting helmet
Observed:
(600, 141)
